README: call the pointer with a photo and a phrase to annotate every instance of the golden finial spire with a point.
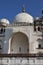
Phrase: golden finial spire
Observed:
(23, 8)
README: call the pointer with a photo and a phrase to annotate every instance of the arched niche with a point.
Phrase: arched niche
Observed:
(19, 43)
(40, 43)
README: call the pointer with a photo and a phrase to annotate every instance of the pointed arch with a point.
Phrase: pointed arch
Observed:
(19, 43)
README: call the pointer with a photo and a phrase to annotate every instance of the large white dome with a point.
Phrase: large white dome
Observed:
(23, 17)
(4, 21)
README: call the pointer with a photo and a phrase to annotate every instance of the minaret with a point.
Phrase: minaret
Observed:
(42, 11)
(23, 8)
(42, 15)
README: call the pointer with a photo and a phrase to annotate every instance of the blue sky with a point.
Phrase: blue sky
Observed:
(10, 8)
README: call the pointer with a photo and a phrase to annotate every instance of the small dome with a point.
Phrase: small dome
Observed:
(4, 21)
(23, 17)
(37, 18)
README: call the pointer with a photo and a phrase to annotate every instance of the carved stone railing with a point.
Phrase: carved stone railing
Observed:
(21, 59)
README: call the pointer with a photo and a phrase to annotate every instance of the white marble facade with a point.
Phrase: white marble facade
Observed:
(20, 37)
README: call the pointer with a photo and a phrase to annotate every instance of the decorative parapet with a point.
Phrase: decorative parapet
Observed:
(21, 59)
(22, 55)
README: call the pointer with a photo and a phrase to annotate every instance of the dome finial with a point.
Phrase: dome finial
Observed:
(23, 8)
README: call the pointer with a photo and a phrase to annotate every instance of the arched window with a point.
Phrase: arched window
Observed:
(39, 46)
(39, 43)
(38, 28)
(2, 30)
